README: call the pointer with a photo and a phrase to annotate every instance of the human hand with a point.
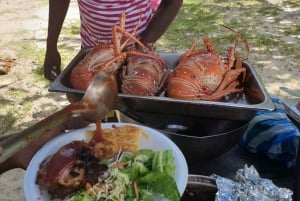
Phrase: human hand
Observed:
(52, 65)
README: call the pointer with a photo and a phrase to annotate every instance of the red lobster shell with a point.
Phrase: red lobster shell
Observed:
(206, 75)
(84, 72)
(103, 57)
(145, 74)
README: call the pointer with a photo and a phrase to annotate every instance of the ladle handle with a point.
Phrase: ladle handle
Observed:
(15, 142)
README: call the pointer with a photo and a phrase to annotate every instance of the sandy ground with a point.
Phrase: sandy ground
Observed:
(17, 16)
(21, 21)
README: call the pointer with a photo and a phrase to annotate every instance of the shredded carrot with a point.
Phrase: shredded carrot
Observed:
(120, 165)
(88, 185)
(136, 189)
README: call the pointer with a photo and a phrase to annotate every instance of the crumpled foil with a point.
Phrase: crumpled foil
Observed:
(249, 186)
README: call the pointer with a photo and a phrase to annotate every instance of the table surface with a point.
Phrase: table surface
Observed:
(236, 158)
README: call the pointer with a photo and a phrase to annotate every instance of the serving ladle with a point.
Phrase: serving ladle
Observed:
(97, 102)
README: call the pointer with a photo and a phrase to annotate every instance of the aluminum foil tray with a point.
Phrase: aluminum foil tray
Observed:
(233, 107)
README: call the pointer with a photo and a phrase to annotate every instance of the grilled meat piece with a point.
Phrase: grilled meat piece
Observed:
(69, 169)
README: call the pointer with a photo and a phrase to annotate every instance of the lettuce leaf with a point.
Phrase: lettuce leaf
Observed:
(136, 170)
(81, 196)
(163, 161)
(153, 170)
(162, 184)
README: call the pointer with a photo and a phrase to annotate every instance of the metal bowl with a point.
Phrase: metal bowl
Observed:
(199, 139)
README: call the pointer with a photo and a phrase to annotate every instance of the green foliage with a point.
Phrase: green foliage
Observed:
(203, 18)
(293, 29)
(11, 113)
(195, 20)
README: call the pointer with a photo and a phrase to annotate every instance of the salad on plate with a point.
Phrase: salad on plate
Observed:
(128, 162)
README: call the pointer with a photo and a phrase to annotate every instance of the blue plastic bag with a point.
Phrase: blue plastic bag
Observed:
(274, 134)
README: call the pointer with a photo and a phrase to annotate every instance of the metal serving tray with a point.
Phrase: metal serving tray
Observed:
(233, 107)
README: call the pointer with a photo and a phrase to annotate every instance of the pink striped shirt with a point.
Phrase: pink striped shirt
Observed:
(98, 16)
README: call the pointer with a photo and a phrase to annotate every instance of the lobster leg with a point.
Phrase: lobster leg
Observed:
(230, 58)
(231, 88)
(238, 64)
(209, 45)
(191, 50)
(230, 77)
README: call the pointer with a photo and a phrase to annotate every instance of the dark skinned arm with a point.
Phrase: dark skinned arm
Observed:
(57, 13)
(161, 20)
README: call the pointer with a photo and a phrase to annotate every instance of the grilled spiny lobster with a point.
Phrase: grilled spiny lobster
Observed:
(144, 75)
(140, 76)
(203, 74)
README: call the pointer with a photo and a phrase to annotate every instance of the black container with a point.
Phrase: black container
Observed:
(199, 139)
(200, 188)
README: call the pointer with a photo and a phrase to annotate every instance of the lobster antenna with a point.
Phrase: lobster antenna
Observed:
(134, 32)
(243, 39)
(118, 31)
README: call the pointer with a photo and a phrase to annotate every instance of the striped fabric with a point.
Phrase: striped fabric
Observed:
(273, 134)
(98, 16)
(154, 4)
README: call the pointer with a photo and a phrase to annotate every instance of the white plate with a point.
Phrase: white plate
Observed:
(157, 141)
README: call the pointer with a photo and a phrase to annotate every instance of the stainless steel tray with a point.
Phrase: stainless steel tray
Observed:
(233, 107)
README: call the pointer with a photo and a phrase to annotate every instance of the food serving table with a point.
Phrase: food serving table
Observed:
(237, 157)
(234, 108)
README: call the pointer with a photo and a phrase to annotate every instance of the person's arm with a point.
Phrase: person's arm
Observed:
(161, 20)
(22, 158)
(57, 13)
